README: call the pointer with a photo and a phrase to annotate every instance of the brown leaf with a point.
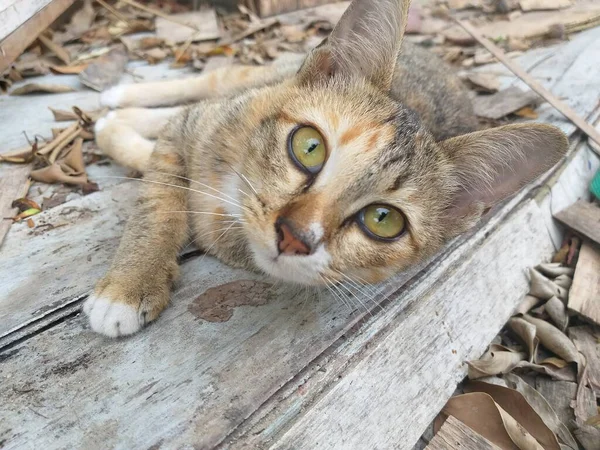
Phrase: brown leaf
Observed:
(543, 288)
(35, 88)
(33, 68)
(557, 311)
(566, 374)
(503, 103)
(55, 48)
(82, 20)
(515, 404)
(542, 408)
(554, 340)
(24, 203)
(105, 71)
(149, 42)
(484, 82)
(155, 55)
(68, 70)
(564, 281)
(494, 363)
(527, 112)
(54, 174)
(30, 223)
(63, 116)
(528, 302)
(526, 331)
(479, 412)
(588, 436)
(554, 270)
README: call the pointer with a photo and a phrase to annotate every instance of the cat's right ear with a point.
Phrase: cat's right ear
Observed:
(365, 43)
(493, 164)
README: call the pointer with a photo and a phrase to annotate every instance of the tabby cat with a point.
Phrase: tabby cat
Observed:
(354, 163)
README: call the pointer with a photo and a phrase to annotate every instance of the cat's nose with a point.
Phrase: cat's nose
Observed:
(288, 241)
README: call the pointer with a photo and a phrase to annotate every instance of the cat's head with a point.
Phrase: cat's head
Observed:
(348, 183)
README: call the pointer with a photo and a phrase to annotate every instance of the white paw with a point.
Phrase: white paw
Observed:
(103, 121)
(112, 97)
(111, 318)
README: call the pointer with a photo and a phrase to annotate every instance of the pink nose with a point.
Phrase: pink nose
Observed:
(288, 242)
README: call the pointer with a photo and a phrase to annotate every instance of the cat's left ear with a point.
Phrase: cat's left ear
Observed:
(365, 43)
(493, 164)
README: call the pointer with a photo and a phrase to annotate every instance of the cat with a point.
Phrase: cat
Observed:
(354, 163)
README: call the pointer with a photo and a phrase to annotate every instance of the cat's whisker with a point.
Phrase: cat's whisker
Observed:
(215, 241)
(239, 216)
(353, 294)
(180, 187)
(334, 293)
(336, 288)
(363, 289)
(194, 181)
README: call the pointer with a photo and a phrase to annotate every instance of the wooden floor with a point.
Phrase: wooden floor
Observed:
(300, 371)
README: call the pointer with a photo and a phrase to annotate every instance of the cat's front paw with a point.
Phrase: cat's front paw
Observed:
(115, 311)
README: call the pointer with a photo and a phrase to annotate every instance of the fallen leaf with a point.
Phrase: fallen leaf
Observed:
(567, 373)
(527, 112)
(587, 342)
(528, 302)
(63, 116)
(588, 436)
(543, 288)
(525, 331)
(106, 71)
(557, 311)
(24, 203)
(155, 55)
(515, 404)
(542, 408)
(82, 20)
(68, 70)
(554, 339)
(30, 223)
(36, 88)
(554, 270)
(494, 363)
(27, 213)
(484, 82)
(55, 48)
(203, 27)
(503, 103)
(479, 412)
(563, 281)
(149, 42)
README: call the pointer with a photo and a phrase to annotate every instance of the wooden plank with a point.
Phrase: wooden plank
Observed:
(587, 341)
(405, 377)
(455, 435)
(15, 43)
(13, 183)
(584, 296)
(583, 217)
(16, 12)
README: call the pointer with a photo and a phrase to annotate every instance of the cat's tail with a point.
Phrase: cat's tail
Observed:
(127, 135)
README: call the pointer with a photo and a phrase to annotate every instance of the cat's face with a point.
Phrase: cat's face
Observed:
(347, 182)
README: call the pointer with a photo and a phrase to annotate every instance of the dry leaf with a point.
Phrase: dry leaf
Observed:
(55, 48)
(527, 112)
(149, 42)
(27, 213)
(30, 223)
(543, 288)
(515, 404)
(82, 20)
(479, 412)
(554, 340)
(557, 311)
(31, 68)
(503, 103)
(526, 331)
(587, 342)
(588, 436)
(106, 71)
(542, 408)
(528, 302)
(36, 88)
(564, 281)
(24, 203)
(155, 55)
(565, 374)
(62, 116)
(484, 82)
(68, 70)
(554, 270)
(494, 363)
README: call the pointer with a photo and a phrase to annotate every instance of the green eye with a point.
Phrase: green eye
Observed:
(307, 149)
(382, 221)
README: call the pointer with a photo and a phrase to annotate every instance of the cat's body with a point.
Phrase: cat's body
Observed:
(342, 168)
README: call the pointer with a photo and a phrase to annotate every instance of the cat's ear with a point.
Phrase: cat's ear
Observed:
(492, 165)
(365, 43)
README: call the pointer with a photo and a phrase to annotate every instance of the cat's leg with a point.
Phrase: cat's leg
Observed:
(217, 83)
(125, 135)
(137, 286)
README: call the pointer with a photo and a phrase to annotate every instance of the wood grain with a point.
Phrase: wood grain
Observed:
(584, 296)
(587, 341)
(455, 435)
(583, 217)
(14, 13)
(16, 42)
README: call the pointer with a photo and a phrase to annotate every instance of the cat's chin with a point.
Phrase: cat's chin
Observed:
(298, 269)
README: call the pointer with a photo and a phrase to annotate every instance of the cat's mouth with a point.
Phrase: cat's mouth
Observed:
(300, 269)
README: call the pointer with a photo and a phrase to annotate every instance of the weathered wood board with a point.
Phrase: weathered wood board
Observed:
(584, 296)
(14, 13)
(296, 372)
(583, 217)
(455, 435)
